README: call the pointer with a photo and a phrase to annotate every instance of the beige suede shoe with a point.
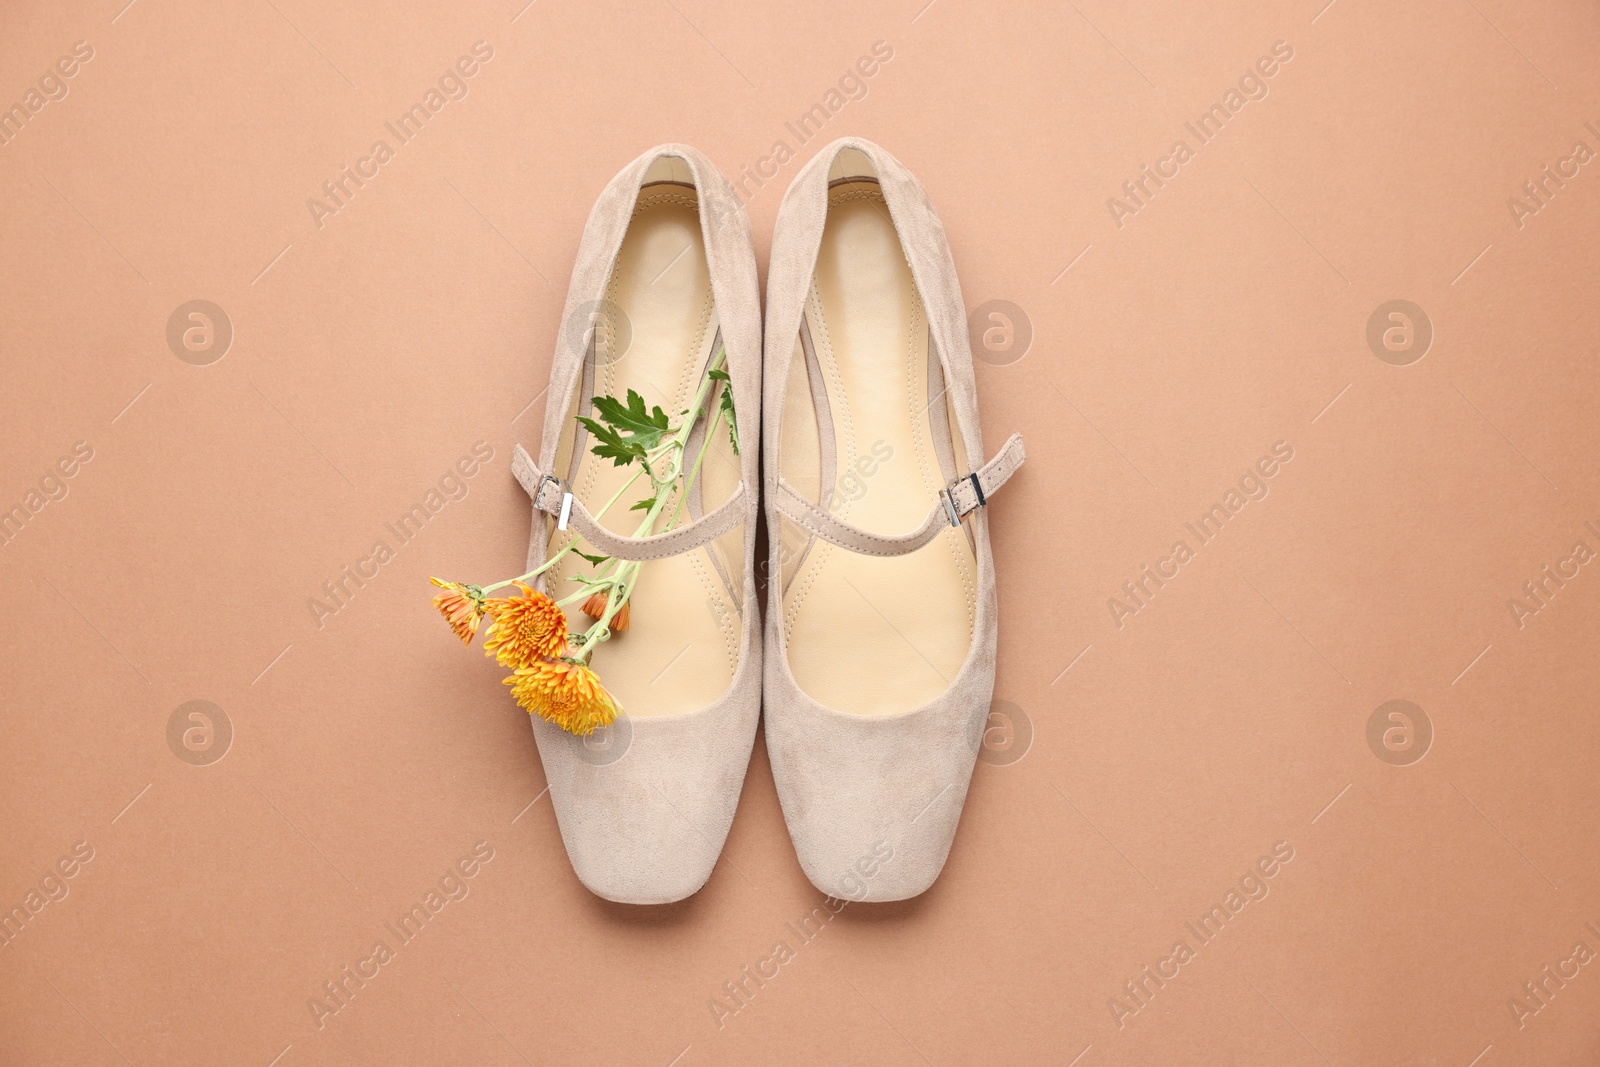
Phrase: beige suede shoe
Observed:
(881, 613)
(665, 278)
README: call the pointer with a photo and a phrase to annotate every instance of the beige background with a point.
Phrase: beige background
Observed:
(1168, 354)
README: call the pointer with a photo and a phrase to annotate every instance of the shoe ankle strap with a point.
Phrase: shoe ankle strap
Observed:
(963, 496)
(551, 496)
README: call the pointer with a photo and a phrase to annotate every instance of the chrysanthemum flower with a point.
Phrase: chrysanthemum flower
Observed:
(462, 607)
(595, 608)
(525, 628)
(565, 693)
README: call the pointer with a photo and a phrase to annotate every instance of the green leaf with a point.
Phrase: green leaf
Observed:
(643, 427)
(718, 375)
(595, 560)
(727, 409)
(609, 444)
(644, 505)
(624, 432)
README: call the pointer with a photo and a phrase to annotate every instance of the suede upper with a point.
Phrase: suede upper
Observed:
(644, 822)
(853, 786)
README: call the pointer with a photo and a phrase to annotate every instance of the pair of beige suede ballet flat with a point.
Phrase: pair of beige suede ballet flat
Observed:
(881, 614)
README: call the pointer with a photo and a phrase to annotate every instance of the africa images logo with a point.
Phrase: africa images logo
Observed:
(1137, 192)
(451, 86)
(51, 88)
(1138, 592)
(452, 486)
(451, 887)
(1252, 887)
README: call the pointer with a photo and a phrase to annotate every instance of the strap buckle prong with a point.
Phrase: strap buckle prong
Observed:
(950, 506)
(948, 496)
(566, 499)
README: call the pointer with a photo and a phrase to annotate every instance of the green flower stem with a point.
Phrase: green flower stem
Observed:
(618, 494)
(553, 560)
(540, 569)
(621, 583)
(694, 471)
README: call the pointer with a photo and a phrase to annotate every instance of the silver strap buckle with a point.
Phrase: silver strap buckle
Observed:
(950, 507)
(566, 499)
(948, 496)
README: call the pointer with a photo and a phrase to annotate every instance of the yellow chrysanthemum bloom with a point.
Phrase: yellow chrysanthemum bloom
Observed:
(525, 628)
(565, 693)
(462, 607)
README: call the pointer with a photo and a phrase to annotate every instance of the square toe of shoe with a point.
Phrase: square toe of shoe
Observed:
(644, 818)
(872, 803)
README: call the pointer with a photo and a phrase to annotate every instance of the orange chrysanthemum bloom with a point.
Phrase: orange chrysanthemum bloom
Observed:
(565, 693)
(595, 608)
(525, 628)
(462, 607)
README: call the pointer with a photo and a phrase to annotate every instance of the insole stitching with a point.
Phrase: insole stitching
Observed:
(698, 565)
(920, 431)
(606, 383)
(690, 380)
(828, 359)
(822, 346)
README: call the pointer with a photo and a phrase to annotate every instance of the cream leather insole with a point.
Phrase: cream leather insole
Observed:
(682, 644)
(876, 635)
